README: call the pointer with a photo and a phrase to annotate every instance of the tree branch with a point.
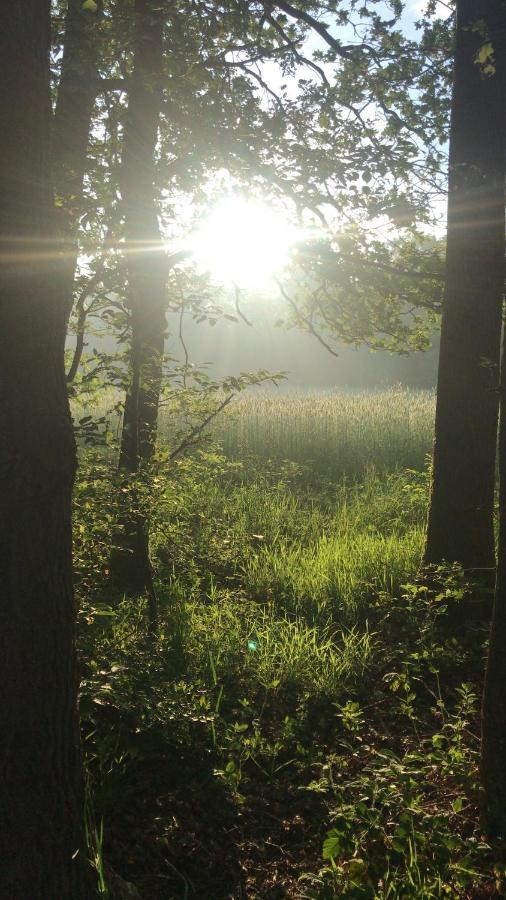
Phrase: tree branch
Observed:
(82, 313)
(197, 431)
(314, 24)
(370, 264)
(307, 322)
(237, 299)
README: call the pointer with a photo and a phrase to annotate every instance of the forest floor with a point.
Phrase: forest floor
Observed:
(305, 723)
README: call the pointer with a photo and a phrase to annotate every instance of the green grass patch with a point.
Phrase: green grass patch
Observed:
(305, 716)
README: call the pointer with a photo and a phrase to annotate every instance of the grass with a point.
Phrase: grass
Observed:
(333, 432)
(330, 433)
(304, 724)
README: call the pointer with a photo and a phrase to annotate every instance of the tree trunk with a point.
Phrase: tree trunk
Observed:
(147, 267)
(71, 127)
(493, 748)
(140, 420)
(460, 523)
(41, 823)
(146, 258)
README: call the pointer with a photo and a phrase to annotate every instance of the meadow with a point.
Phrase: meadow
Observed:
(304, 723)
(337, 433)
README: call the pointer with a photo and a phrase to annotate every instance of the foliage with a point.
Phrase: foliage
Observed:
(404, 821)
(362, 290)
(293, 651)
(290, 668)
(330, 109)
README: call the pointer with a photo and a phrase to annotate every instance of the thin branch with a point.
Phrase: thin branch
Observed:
(263, 84)
(82, 310)
(302, 60)
(181, 338)
(82, 313)
(307, 322)
(260, 55)
(237, 299)
(197, 431)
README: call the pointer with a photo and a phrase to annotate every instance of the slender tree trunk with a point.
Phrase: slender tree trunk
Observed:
(140, 419)
(460, 523)
(41, 820)
(71, 127)
(146, 257)
(147, 286)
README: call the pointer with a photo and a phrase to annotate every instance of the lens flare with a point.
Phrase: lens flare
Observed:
(243, 241)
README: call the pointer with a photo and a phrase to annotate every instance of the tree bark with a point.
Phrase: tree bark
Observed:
(146, 258)
(493, 745)
(41, 823)
(460, 523)
(147, 267)
(77, 90)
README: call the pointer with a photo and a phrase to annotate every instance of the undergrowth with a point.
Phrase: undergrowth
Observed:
(305, 722)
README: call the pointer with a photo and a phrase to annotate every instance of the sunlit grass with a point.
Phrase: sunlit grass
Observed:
(244, 547)
(335, 432)
(294, 648)
(249, 647)
(338, 575)
(273, 560)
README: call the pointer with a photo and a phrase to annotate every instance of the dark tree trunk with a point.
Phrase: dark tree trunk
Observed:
(71, 126)
(146, 259)
(147, 285)
(41, 820)
(140, 419)
(493, 750)
(460, 523)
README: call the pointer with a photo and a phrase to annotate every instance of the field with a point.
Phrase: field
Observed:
(336, 433)
(304, 723)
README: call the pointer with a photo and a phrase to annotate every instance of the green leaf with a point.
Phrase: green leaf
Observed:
(485, 58)
(90, 4)
(331, 845)
(458, 804)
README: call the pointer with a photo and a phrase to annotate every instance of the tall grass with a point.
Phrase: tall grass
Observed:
(368, 542)
(296, 570)
(245, 548)
(248, 646)
(286, 640)
(338, 575)
(335, 432)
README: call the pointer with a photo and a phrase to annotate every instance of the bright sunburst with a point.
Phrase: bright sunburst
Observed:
(243, 241)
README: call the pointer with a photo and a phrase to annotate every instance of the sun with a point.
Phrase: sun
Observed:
(245, 242)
